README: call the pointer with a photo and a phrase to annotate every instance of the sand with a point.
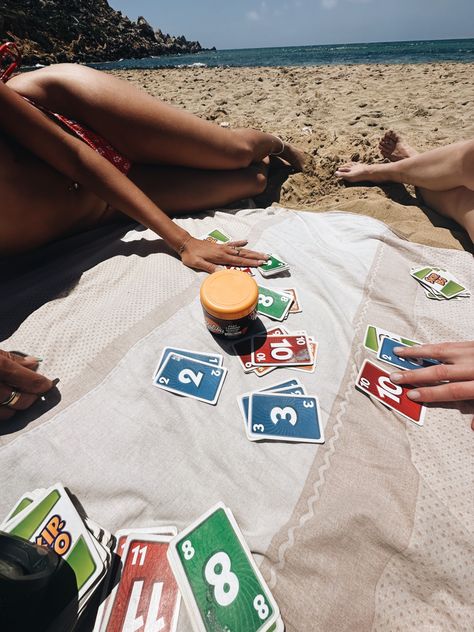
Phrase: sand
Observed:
(338, 113)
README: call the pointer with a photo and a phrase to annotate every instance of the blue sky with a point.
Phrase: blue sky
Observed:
(258, 23)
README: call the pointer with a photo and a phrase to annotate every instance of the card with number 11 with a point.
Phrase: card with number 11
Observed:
(376, 382)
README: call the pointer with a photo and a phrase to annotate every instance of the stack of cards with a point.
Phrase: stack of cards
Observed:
(277, 347)
(374, 335)
(49, 518)
(282, 412)
(191, 374)
(273, 303)
(219, 580)
(140, 592)
(439, 284)
(296, 303)
(273, 266)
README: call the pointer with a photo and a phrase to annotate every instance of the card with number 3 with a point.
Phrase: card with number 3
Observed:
(376, 382)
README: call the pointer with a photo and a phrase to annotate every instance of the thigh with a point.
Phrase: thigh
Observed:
(139, 125)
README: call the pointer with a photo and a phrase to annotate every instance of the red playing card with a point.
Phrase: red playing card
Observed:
(147, 596)
(243, 348)
(288, 350)
(376, 382)
(244, 269)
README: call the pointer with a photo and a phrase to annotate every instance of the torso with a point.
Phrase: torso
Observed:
(38, 204)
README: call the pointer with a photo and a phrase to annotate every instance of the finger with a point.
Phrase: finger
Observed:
(22, 378)
(251, 254)
(237, 244)
(472, 424)
(23, 402)
(242, 262)
(437, 352)
(29, 361)
(206, 266)
(452, 392)
(434, 375)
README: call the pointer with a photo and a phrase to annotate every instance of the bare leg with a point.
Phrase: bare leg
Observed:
(144, 128)
(444, 177)
(183, 190)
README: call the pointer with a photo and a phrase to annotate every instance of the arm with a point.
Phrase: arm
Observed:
(77, 161)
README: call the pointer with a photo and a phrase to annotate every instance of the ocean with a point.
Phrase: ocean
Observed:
(376, 53)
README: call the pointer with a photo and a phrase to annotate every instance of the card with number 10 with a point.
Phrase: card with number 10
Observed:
(221, 584)
(376, 382)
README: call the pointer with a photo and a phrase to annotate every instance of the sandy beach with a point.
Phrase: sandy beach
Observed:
(337, 113)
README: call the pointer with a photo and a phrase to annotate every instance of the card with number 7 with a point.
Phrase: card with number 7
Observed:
(221, 584)
(376, 382)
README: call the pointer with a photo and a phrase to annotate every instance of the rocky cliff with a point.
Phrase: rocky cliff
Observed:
(50, 31)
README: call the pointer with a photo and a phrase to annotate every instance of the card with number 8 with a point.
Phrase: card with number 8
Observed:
(221, 585)
(273, 303)
(376, 382)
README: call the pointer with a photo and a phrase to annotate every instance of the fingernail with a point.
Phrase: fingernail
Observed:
(56, 381)
(33, 359)
(260, 262)
(396, 377)
(415, 395)
(398, 350)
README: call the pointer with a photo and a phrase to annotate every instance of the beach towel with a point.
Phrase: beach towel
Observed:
(373, 530)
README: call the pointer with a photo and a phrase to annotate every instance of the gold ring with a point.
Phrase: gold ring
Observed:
(11, 400)
(237, 252)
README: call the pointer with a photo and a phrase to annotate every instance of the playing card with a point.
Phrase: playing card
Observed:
(376, 382)
(191, 378)
(286, 349)
(52, 521)
(309, 368)
(247, 270)
(209, 358)
(439, 281)
(296, 305)
(273, 266)
(218, 236)
(147, 596)
(282, 417)
(373, 338)
(243, 348)
(273, 303)
(221, 585)
(386, 354)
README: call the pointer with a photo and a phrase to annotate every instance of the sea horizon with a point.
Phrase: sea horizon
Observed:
(393, 52)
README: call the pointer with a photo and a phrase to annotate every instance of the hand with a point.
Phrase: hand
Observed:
(18, 374)
(451, 381)
(202, 254)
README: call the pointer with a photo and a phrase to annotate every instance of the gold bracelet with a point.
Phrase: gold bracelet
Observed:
(184, 244)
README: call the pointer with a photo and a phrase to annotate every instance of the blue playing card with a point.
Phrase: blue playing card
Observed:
(386, 354)
(191, 378)
(209, 358)
(278, 417)
(297, 389)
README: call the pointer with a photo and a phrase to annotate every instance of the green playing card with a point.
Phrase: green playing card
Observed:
(227, 592)
(218, 235)
(273, 266)
(273, 303)
(373, 338)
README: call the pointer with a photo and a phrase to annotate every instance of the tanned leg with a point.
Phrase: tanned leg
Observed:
(144, 128)
(444, 177)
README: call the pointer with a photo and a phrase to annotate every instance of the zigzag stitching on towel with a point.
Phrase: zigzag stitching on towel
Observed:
(283, 548)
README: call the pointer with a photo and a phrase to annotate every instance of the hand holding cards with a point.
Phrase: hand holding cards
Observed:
(220, 582)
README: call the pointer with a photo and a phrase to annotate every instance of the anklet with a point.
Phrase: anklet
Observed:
(278, 153)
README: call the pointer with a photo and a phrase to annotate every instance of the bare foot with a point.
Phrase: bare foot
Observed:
(394, 149)
(295, 157)
(356, 172)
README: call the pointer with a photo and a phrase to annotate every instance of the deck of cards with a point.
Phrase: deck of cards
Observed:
(219, 580)
(282, 412)
(273, 266)
(266, 351)
(49, 518)
(140, 592)
(439, 284)
(277, 304)
(191, 374)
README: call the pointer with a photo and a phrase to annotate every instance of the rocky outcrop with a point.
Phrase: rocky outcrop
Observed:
(51, 31)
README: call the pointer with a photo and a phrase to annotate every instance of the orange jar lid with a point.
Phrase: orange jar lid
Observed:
(229, 294)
